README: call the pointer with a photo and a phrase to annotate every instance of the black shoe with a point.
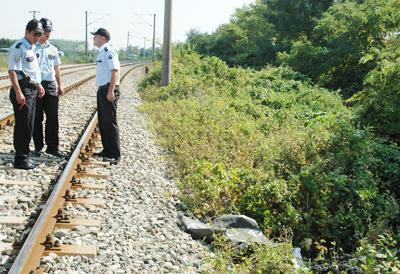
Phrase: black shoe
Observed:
(100, 154)
(37, 152)
(112, 160)
(24, 165)
(56, 153)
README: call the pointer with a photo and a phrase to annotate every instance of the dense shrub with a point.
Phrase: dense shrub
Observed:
(271, 145)
(269, 258)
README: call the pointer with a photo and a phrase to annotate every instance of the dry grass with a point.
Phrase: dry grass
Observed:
(3, 62)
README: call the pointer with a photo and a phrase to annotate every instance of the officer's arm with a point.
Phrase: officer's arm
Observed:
(58, 75)
(15, 64)
(58, 78)
(114, 79)
(14, 81)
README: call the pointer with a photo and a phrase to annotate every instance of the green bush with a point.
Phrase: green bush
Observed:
(268, 258)
(378, 255)
(270, 145)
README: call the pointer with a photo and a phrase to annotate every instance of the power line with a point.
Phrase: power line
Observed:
(89, 23)
(144, 21)
(153, 26)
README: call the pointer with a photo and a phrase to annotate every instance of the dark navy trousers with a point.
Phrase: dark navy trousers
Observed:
(24, 120)
(107, 115)
(48, 105)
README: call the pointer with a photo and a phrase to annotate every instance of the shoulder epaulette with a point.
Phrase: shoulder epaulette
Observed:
(18, 45)
(105, 49)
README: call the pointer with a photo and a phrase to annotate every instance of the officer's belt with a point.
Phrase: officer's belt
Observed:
(106, 86)
(24, 83)
(26, 80)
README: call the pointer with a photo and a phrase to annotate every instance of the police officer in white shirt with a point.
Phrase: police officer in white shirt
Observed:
(24, 72)
(49, 62)
(107, 80)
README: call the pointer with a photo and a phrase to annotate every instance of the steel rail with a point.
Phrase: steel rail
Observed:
(4, 77)
(78, 66)
(33, 247)
(6, 120)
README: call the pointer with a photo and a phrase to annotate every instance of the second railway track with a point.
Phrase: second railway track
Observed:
(4, 76)
(73, 69)
(69, 81)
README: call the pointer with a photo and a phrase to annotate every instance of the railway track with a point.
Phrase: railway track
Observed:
(71, 178)
(74, 66)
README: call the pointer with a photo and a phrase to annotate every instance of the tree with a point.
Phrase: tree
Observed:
(345, 34)
(378, 102)
(256, 33)
(293, 18)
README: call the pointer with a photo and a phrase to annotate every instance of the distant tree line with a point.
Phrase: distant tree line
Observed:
(333, 42)
(6, 43)
(351, 46)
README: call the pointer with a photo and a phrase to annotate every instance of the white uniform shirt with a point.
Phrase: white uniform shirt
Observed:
(22, 58)
(48, 59)
(106, 61)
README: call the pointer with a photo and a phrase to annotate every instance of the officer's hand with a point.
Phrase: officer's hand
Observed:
(40, 90)
(20, 98)
(60, 91)
(110, 96)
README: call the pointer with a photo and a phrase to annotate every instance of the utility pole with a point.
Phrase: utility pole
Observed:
(127, 42)
(166, 69)
(34, 13)
(144, 48)
(153, 26)
(94, 47)
(86, 41)
(154, 38)
(89, 23)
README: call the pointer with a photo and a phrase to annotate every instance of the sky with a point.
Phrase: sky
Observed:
(119, 17)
